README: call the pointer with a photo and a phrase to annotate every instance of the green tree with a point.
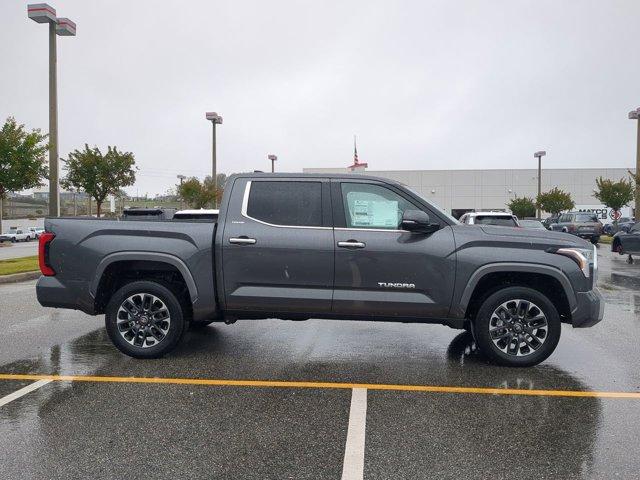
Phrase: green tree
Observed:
(22, 159)
(614, 195)
(99, 175)
(555, 201)
(203, 194)
(522, 207)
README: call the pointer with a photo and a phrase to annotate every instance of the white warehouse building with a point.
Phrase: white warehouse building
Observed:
(459, 191)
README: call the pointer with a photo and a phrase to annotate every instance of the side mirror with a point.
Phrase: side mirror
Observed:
(417, 221)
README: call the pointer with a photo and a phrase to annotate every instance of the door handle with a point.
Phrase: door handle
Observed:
(242, 240)
(351, 244)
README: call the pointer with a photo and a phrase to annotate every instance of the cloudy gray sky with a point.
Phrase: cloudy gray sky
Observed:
(424, 84)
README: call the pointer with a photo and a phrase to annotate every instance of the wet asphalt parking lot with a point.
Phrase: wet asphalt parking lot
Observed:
(424, 404)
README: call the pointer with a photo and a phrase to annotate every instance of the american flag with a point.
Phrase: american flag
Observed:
(355, 151)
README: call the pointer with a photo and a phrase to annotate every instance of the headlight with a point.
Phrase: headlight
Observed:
(584, 257)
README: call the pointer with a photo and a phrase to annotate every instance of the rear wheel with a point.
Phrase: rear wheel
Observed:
(145, 319)
(517, 327)
(595, 240)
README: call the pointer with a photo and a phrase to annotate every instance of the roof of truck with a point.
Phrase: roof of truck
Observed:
(346, 175)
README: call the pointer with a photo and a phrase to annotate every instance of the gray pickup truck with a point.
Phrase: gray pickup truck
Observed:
(298, 246)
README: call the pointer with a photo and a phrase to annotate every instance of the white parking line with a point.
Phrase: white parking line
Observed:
(353, 466)
(23, 391)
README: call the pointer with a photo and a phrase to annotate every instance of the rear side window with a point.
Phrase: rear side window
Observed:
(286, 203)
(498, 221)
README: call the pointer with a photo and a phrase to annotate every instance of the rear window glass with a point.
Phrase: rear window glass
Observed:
(586, 217)
(499, 221)
(286, 203)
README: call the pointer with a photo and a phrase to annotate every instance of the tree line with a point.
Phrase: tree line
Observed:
(23, 166)
(613, 194)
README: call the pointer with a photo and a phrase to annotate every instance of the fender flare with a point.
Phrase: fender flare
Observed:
(517, 267)
(145, 256)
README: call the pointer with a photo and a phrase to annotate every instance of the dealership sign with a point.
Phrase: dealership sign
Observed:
(604, 213)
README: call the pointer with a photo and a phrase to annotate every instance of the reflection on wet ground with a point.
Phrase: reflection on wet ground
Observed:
(73, 430)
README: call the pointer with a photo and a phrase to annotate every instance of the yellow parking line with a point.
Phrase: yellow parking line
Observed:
(326, 385)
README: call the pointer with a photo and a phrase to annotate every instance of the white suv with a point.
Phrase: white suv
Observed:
(500, 219)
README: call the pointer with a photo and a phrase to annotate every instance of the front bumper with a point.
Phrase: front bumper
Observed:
(589, 309)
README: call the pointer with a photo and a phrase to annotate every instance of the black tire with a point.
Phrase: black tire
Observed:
(173, 304)
(595, 240)
(13, 240)
(483, 321)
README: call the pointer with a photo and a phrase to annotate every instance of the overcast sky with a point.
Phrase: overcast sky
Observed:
(423, 84)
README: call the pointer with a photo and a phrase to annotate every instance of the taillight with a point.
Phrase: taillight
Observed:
(43, 254)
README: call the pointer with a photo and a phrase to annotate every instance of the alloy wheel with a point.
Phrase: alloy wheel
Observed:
(143, 320)
(518, 327)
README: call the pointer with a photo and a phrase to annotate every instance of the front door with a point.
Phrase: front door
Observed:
(277, 253)
(384, 271)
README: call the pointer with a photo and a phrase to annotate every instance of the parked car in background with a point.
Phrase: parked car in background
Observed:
(582, 224)
(201, 214)
(627, 243)
(623, 225)
(499, 219)
(36, 232)
(547, 222)
(17, 235)
(534, 224)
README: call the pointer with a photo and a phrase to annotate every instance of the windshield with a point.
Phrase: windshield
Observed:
(433, 204)
(501, 221)
(532, 224)
(586, 217)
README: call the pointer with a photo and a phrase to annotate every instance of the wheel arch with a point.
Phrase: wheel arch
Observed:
(545, 279)
(109, 270)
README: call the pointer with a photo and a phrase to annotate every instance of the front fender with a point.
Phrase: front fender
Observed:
(479, 273)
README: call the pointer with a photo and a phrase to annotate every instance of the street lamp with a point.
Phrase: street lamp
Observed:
(43, 13)
(215, 119)
(539, 156)
(181, 178)
(635, 115)
(273, 159)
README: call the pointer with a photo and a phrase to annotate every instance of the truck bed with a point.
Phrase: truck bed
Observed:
(85, 248)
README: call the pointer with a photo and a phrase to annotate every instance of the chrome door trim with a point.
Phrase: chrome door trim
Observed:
(243, 212)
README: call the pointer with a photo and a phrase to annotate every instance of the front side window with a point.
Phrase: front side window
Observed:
(373, 206)
(286, 203)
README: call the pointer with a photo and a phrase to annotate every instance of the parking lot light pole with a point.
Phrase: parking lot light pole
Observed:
(539, 156)
(273, 159)
(43, 13)
(181, 178)
(635, 115)
(215, 119)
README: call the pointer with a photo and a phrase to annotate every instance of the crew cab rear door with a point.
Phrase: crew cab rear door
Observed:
(381, 270)
(277, 252)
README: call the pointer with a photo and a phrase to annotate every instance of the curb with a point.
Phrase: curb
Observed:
(628, 280)
(19, 277)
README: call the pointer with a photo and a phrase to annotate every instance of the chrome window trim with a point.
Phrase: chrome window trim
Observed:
(245, 204)
(346, 229)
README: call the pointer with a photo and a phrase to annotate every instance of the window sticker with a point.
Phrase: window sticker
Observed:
(375, 213)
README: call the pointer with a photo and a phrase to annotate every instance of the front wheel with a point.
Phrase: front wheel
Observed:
(517, 327)
(145, 319)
